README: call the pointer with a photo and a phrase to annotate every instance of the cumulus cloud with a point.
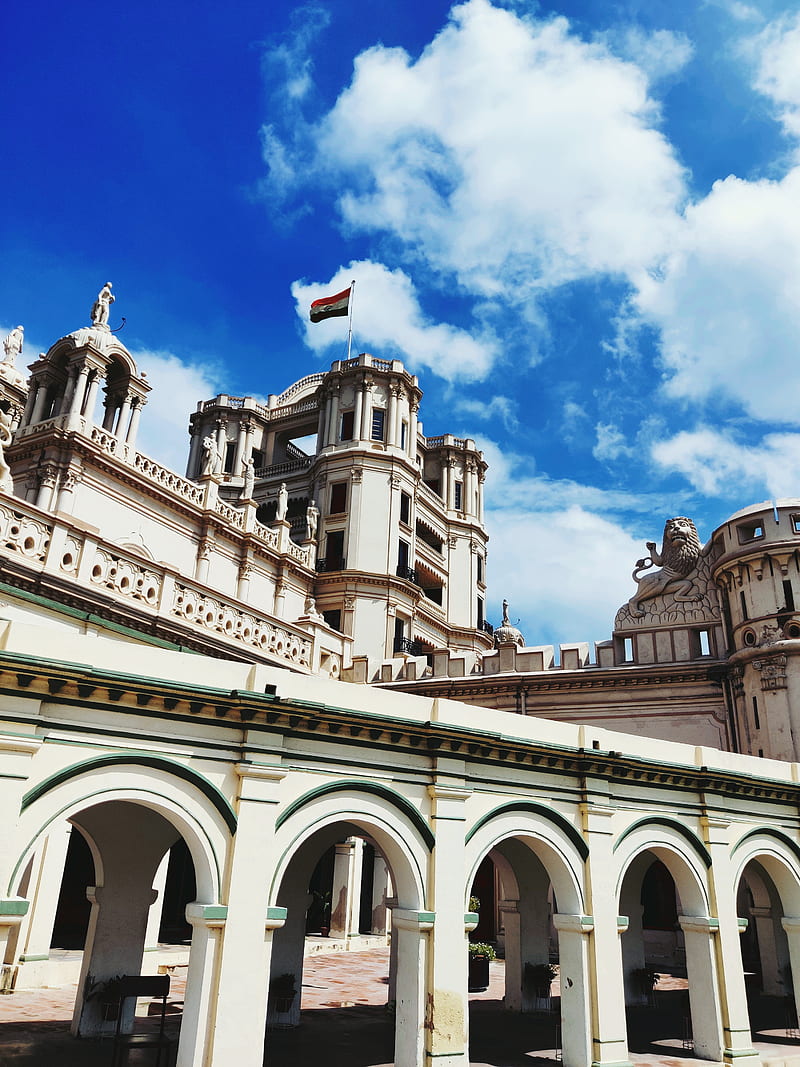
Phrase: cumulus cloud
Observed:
(386, 310)
(177, 386)
(660, 54)
(511, 154)
(727, 303)
(496, 407)
(610, 443)
(777, 50)
(714, 462)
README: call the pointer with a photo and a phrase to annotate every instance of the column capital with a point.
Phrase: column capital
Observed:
(209, 915)
(698, 924)
(575, 924)
(405, 919)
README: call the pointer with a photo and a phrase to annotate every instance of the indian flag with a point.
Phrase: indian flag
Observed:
(329, 307)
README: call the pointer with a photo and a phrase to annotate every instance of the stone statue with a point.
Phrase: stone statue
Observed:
(211, 457)
(12, 345)
(679, 557)
(283, 503)
(249, 480)
(101, 306)
(312, 519)
(6, 482)
(311, 608)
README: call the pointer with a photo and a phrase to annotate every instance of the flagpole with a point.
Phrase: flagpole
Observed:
(350, 320)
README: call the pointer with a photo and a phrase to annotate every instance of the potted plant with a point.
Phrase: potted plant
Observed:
(480, 955)
(538, 978)
(644, 981)
(282, 991)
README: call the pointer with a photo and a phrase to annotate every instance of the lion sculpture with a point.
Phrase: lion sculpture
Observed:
(679, 556)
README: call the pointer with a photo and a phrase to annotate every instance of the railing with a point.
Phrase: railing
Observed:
(441, 441)
(408, 573)
(285, 468)
(309, 379)
(332, 563)
(293, 452)
(486, 627)
(413, 648)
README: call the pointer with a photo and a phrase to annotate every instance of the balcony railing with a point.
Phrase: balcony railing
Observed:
(331, 563)
(486, 627)
(413, 648)
(408, 573)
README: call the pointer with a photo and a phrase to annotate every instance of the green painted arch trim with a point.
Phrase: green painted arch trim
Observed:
(544, 812)
(138, 759)
(768, 831)
(671, 824)
(382, 791)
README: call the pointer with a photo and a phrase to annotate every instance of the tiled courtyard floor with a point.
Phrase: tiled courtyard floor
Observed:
(344, 1023)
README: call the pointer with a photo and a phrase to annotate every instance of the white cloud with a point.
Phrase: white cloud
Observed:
(727, 302)
(495, 407)
(511, 155)
(177, 387)
(777, 49)
(610, 443)
(386, 310)
(716, 464)
(548, 563)
(660, 54)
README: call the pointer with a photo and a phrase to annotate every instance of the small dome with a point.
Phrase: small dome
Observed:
(10, 374)
(505, 632)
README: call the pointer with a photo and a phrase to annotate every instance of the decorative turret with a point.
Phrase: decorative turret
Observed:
(505, 632)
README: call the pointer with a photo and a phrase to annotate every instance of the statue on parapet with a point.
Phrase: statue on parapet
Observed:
(679, 556)
(6, 481)
(12, 345)
(312, 520)
(212, 460)
(102, 305)
(249, 480)
(283, 503)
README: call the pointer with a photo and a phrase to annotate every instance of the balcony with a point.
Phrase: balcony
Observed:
(486, 627)
(408, 573)
(331, 563)
(413, 648)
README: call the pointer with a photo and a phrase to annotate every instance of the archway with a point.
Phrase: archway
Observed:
(768, 906)
(325, 877)
(669, 972)
(538, 863)
(129, 819)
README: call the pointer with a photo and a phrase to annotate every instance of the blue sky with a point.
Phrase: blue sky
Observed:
(578, 223)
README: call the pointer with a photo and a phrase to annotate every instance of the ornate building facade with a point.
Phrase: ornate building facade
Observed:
(174, 660)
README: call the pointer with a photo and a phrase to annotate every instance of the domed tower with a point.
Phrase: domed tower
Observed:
(756, 567)
(397, 517)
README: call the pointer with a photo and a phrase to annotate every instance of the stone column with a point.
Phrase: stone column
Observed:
(194, 448)
(699, 932)
(344, 888)
(410, 930)
(222, 442)
(79, 391)
(30, 403)
(411, 444)
(768, 950)
(44, 886)
(446, 1016)
(576, 1000)
(122, 416)
(38, 406)
(792, 928)
(738, 1043)
(511, 920)
(240, 1010)
(65, 500)
(366, 413)
(243, 583)
(445, 486)
(391, 427)
(91, 397)
(47, 482)
(207, 922)
(333, 418)
(609, 1030)
(239, 452)
(358, 410)
(133, 425)
(157, 907)
(380, 894)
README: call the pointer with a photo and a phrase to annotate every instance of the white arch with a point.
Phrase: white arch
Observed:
(778, 860)
(556, 852)
(181, 803)
(684, 863)
(396, 837)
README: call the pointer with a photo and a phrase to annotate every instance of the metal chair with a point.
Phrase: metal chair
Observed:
(132, 987)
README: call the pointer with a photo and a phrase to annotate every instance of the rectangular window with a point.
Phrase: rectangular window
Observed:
(480, 611)
(333, 618)
(405, 508)
(458, 495)
(346, 433)
(788, 595)
(480, 568)
(378, 418)
(230, 455)
(755, 714)
(338, 498)
(750, 531)
(258, 458)
(399, 634)
(743, 602)
(402, 554)
(628, 650)
(705, 648)
(334, 551)
(403, 434)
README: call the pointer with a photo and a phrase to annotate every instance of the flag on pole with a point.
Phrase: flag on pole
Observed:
(329, 307)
